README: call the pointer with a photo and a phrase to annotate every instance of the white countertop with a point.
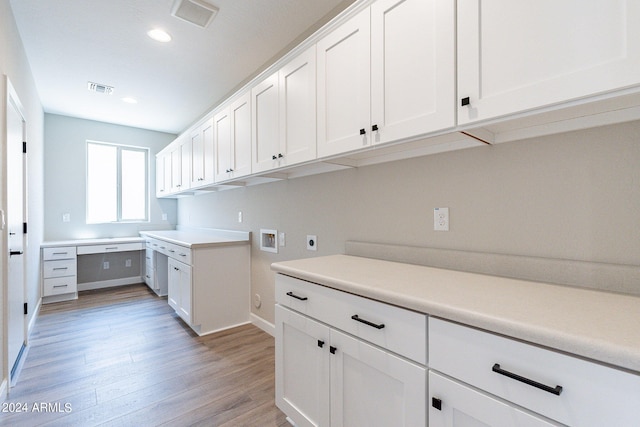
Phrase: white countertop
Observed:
(597, 325)
(86, 242)
(199, 238)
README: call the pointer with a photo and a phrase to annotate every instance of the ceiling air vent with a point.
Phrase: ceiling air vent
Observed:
(197, 12)
(99, 88)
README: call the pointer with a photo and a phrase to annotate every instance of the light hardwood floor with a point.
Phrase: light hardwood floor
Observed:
(121, 357)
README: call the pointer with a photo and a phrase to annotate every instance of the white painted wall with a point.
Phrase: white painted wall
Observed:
(65, 177)
(14, 64)
(571, 196)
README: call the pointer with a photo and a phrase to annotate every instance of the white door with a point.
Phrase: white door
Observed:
(412, 68)
(265, 125)
(298, 108)
(302, 368)
(372, 387)
(455, 405)
(15, 225)
(519, 55)
(344, 94)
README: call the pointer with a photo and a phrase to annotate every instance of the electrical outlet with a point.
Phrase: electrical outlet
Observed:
(105, 265)
(164, 216)
(282, 239)
(312, 242)
(239, 216)
(127, 263)
(441, 219)
(66, 217)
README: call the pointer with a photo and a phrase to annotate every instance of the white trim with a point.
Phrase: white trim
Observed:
(268, 327)
(32, 322)
(110, 283)
(3, 391)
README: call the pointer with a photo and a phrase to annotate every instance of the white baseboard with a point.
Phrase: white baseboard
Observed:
(268, 327)
(109, 283)
(34, 317)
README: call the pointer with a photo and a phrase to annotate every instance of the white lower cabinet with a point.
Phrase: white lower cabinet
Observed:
(326, 377)
(458, 405)
(179, 296)
(513, 380)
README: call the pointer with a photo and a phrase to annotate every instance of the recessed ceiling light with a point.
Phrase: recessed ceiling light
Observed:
(159, 35)
(129, 100)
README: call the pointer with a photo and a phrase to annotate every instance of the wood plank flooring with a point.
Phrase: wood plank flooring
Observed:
(121, 357)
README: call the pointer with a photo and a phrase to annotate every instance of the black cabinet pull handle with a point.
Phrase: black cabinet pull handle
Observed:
(436, 403)
(292, 295)
(280, 155)
(320, 343)
(332, 349)
(553, 390)
(366, 322)
(363, 131)
(374, 128)
(465, 101)
(274, 157)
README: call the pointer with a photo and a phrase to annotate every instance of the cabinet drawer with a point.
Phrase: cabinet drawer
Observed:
(178, 252)
(60, 285)
(116, 247)
(60, 268)
(150, 276)
(396, 329)
(150, 259)
(577, 392)
(66, 252)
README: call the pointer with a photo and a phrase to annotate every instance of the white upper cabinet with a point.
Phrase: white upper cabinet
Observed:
(202, 154)
(344, 94)
(265, 132)
(232, 128)
(163, 174)
(180, 159)
(412, 68)
(297, 81)
(387, 74)
(515, 56)
(284, 115)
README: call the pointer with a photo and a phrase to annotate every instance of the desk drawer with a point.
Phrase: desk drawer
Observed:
(116, 247)
(588, 393)
(150, 259)
(66, 252)
(396, 329)
(60, 285)
(59, 268)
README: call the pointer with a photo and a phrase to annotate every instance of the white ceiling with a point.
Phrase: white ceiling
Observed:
(71, 42)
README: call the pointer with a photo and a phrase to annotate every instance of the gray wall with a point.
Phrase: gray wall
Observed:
(65, 180)
(14, 64)
(571, 196)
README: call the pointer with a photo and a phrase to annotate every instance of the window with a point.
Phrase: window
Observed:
(117, 185)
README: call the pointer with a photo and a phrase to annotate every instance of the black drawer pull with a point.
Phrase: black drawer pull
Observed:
(366, 322)
(464, 102)
(320, 343)
(553, 390)
(292, 295)
(332, 349)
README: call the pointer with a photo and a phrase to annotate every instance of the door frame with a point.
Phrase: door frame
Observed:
(10, 100)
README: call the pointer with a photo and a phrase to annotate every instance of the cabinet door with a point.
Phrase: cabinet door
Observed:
(372, 387)
(176, 169)
(222, 132)
(185, 166)
(179, 296)
(455, 405)
(265, 125)
(297, 82)
(343, 87)
(302, 368)
(516, 56)
(162, 184)
(240, 111)
(412, 68)
(202, 155)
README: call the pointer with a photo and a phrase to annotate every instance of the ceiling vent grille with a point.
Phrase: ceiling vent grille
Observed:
(100, 88)
(197, 12)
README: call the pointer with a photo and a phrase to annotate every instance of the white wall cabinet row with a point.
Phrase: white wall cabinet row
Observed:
(344, 360)
(394, 71)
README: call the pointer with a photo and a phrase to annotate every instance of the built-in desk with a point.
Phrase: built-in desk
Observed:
(72, 265)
